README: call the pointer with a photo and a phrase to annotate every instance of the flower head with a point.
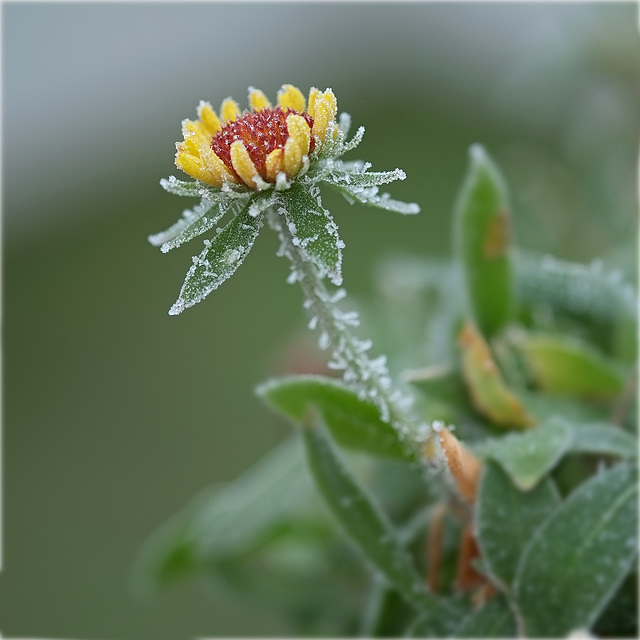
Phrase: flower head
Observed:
(261, 146)
(267, 162)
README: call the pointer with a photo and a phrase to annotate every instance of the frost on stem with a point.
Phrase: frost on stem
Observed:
(368, 377)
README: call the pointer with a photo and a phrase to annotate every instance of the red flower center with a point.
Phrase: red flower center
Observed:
(262, 132)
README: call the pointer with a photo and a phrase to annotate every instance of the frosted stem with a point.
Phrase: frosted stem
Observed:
(367, 377)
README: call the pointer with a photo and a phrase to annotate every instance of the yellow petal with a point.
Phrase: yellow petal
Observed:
(229, 110)
(313, 95)
(290, 96)
(274, 164)
(191, 130)
(243, 164)
(292, 157)
(299, 129)
(192, 166)
(218, 169)
(326, 107)
(209, 118)
(257, 99)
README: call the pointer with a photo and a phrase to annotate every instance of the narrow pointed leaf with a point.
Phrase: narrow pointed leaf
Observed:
(528, 457)
(313, 230)
(483, 243)
(219, 260)
(370, 197)
(356, 175)
(506, 519)
(189, 188)
(362, 519)
(564, 365)
(353, 422)
(579, 556)
(193, 223)
(493, 620)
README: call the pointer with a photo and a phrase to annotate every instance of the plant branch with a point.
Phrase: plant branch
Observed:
(368, 377)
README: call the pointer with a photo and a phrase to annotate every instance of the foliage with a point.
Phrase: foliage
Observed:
(522, 520)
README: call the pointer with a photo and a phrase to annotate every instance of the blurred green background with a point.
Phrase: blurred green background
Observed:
(116, 414)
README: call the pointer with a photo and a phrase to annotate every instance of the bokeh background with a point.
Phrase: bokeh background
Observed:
(114, 413)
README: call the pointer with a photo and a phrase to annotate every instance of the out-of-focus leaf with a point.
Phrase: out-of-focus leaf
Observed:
(489, 394)
(580, 289)
(440, 622)
(353, 422)
(528, 457)
(362, 520)
(222, 256)
(604, 439)
(166, 557)
(483, 243)
(565, 365)
(313, 230)
(247, 509)
(226, 522)
(579, 556)
(506, 518)
(385, 613)
(493, 620)
(441, 383)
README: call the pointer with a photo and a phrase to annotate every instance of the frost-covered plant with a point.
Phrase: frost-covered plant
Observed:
(523, 522)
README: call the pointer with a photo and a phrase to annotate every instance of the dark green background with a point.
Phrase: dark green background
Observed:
(116, 414)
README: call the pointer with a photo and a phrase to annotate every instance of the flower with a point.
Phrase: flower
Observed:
(267, 163)
(259, 147)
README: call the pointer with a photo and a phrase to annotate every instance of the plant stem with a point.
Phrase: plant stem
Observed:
(367, 377)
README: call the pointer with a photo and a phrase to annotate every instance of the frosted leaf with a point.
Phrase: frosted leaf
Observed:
(194, 222)
(219, 260)
(371, 198)
(354, 142)
(313, 230)
(199, 189)
(344, 124)
(357, 175)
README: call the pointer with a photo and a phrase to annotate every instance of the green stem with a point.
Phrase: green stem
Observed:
(368, 377)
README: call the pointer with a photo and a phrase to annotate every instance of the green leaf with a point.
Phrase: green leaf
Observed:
(193, 223)
(362, 519)
(166, 557)
(357, 175)
(441, 382)
(222, 256)
(313, 229)
(482, 240)
(494, 620)
(580, 289)
(439, 622)
(357, 184)
(604, 439)
(506, 518)
(353, 422)
(564, 365)
(369, 197)
(246, 510)
(528, 457)
(579, 556)
(191, 189)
